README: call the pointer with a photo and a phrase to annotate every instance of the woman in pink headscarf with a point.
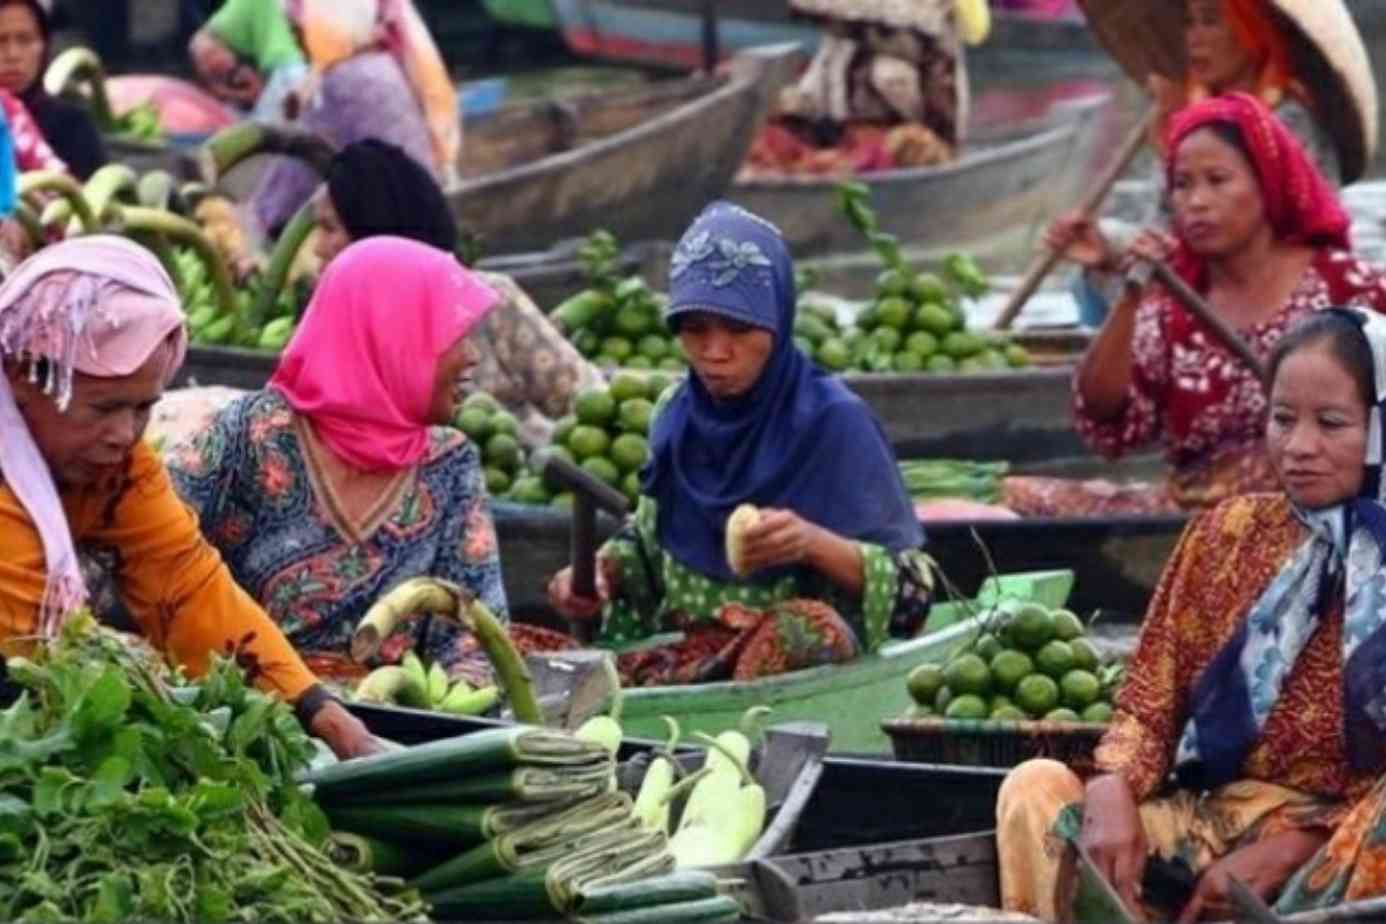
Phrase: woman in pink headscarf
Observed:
(90, 333)
(338, 481)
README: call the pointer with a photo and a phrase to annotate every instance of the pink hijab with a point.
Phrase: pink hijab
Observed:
(101, 306)
(361, 367)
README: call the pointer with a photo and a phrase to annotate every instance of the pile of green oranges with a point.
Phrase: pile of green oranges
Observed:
(1029, 662)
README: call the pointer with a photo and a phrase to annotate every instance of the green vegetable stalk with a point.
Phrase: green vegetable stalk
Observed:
(35, 183)
(182, 231)
(230, 146)
(73, 68)
(281, 261)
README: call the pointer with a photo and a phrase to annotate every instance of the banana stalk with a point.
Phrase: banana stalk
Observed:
(106, 186)
(155, 190)
(230, 146)
(75, 67)
(451, 602)
(282, 260)
(33, 184)
(180, 230)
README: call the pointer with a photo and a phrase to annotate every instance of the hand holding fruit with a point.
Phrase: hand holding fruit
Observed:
(1075, 237)
(775, 539)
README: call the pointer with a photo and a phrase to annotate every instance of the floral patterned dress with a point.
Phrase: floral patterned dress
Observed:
(254, 479)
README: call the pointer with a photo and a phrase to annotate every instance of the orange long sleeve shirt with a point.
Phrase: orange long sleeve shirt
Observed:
(174, 583)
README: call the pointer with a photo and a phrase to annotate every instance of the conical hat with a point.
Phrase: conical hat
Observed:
(1146, 36)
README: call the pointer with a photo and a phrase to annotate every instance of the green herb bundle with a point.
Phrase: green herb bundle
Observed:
(127, 793)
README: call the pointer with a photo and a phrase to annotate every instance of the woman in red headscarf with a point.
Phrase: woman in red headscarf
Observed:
(1261, 235)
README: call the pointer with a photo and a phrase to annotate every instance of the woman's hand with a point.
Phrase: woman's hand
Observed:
(577, 607)
(344, 733)
(1075, 237)
(1113, 836)
(1149, 245)
(779, 538)
(1263, 867)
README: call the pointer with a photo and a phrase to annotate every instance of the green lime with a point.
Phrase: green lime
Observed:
(625, 385)
(629, 451)
(502, 452)
(968, 674)
(1009, 667)
(967, 706)
(988, 646)
(475, 422)
(529, 490)
(586, 442)
(497, 481)
(672, 364)
(562, 501)
(480, 399)
(834, 354)
(917, 711)
(504, 422)
(587, 343)
(653, 347)
(923, 343)
(1001, 699)
(1008, 713)
(630, 487)
(603, 469)
(1030, 627)
(933, 318)
(892, 282)
(812, 328)
(1036, 694)
(939, 364)
(1017, 356)
(1085, 656)
(961, 344)
(1079, 689)
(1062, 714)
(924, 682)
(595, 407)
(993, 360)
(927, 287)
(541, 456)
(1100, 713)
(1067, 625)
(656, 383)
(907, 362)
(887, 339)
(1055, 659)
(970, 366)
(637, 362)
(563, 428)
(635, 321)
(942, 699)
(893, 312)
(619, 348)
(635, 414)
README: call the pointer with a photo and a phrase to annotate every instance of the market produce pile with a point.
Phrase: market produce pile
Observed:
(1028, 662)
(130, 793)
(77, 74)
(496, 433)
(940, 479)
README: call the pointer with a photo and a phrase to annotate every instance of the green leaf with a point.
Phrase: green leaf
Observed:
(53, 793)
(11, 849)
(102, 708)
(16, 816)
(211, 800)
(115, 900)
(108, 783)
(888, 247)
(214, 904)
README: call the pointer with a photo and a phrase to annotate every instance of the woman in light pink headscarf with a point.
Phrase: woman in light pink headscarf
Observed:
(90, 333)
(338, 481)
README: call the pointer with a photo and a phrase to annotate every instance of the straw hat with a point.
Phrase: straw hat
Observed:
(1147, 36)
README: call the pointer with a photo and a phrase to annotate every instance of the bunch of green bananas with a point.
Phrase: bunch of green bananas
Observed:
(141, 123)
(208, 325)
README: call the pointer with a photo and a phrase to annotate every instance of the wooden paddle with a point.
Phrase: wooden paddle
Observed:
(1042, 267)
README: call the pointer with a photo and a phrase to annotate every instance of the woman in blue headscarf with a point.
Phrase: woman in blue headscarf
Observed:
(831, 566)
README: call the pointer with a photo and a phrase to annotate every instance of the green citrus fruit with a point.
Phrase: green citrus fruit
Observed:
(907, 362)
(834, 354)
(653, 347)
(1009, 667)
(942, 699)
(603, 469)
(637, 362)
(529, 490)
(1085, 656)
(562, 501)
(1098, 712)
(967, 706)
(893, 312)
(629, 451)
(805, 346)
(502, 452)
(635, 321)
(928, 287)
(812, 328)
(970, 366)
(634, 415)
(923, 343)
(497, 481)
(587, 343)
(961, 344)
(1067, 625)
(934, 319)
(1017, 356)
(672, 364)
(938, 364)
(655, 385)
(475, 422)
(563, 428)
(586, 441)
(595, 407)
(1055, 659)
(886, 339)
(924, 682)
(1008, 712)
(988, 646)
(630, 487)
(1036, 694)
(481, 399)
(968, 674)
(892, 282)
(917, 711)
(1062, 715)
(620, 348)
(1079, 689)
(1030, 627)
(993, 360)
(624, 385)
(504, 422)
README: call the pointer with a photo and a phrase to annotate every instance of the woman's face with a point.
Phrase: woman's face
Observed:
(1217, 202)
(91, 441)
(1317, 431)
(727, 356)
(332, 234)
(1216, 59)
(451, 379)
(21, 48)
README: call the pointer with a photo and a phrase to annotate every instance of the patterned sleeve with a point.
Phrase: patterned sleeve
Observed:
(1138, 424)
(896, 595)
(1358, 283)
(469, 555)
(631, 559)
(206, 469)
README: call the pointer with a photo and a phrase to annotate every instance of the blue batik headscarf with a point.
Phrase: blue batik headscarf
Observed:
(798, 440)
(1236, 693)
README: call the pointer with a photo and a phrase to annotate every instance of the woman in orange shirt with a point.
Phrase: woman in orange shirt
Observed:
(90, 333)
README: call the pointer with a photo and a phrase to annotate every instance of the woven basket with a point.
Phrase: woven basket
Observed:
(1002, 743)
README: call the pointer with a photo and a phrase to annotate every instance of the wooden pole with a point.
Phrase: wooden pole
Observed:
(1042, 267)
(1205, 312)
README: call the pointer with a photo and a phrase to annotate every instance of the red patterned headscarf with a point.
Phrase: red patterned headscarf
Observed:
(1301, 206)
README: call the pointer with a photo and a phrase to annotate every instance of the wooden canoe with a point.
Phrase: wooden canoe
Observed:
(1008, 180)
(668, 33)
(640, 164)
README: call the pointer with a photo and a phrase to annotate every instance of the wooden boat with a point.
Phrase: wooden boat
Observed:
(668, 33)
(1009, 178)
(641, 165)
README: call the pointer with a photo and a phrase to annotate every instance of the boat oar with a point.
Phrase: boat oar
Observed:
(1042, 267)
(589, 495)
(1142, 273)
